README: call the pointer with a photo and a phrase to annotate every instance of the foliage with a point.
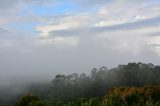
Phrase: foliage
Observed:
(26, 100)
(133, 96)
(120, 96)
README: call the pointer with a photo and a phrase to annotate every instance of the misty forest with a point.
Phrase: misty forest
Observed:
(133, 84)
(79, 52)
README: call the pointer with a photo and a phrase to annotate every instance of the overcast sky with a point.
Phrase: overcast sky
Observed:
(40, 38)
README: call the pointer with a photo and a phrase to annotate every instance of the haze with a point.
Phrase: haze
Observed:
(41, 38)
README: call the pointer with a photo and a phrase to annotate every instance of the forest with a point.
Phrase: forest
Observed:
(133, 84)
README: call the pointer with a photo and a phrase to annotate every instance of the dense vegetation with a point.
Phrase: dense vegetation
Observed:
(121, 96)
(87, 89)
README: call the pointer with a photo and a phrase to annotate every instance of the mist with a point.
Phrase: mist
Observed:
(40, 39)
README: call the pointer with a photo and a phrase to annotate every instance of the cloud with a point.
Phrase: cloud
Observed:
(121, 12)
(155, 45)
(10, 4)
(6, 44)
(117, 14)
(2, 30)
(145, 23)
(14, 11)
(67, 22)
(53, 34)
(107, 32)
(130, 37)
(58, 42)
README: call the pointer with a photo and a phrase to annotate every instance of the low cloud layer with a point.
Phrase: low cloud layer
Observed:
(40, 38)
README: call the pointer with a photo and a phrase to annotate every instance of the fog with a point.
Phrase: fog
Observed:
(42, 38)
(42, 43)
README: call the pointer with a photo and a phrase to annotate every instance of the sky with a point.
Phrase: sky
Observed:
(42, 38)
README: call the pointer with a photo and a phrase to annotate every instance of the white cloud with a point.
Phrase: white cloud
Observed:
(139, 17)
(58, 42)
(112, 14)
(64, 23)
(121, 12)
(133, 41)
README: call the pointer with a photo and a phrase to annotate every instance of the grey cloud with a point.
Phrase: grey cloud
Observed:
(69, 32)
(126, 26)
(12, 4)
(155, 45)
(155, 34)
(2, 30)
(133, 25)
(26, 60)
(5, 4)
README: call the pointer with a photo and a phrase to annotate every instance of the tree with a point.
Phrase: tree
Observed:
(26, 100)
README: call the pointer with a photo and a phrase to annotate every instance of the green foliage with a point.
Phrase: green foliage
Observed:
(119, 96)
(27, 100)
(133, 96)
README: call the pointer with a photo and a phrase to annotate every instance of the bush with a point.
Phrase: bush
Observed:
(27, 100)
